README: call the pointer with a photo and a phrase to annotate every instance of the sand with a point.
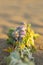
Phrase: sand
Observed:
(12, 13)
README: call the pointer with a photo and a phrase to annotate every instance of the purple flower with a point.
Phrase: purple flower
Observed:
(22, 32)
(19, 33)
(21, 28)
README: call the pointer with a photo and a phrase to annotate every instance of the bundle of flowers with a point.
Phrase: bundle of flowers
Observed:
(22, 40)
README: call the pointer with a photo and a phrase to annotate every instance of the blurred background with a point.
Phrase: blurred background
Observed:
(13, 12)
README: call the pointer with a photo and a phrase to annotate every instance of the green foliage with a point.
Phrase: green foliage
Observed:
(23, 49)
(14, 59)
(15, 54)
(10, 32)
(10, 39)
(27, 41)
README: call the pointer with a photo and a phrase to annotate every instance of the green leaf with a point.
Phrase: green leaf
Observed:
(10, 40)
(15, 54)
(10, 32)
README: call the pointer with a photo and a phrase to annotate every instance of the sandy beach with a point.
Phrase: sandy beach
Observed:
(12, 13)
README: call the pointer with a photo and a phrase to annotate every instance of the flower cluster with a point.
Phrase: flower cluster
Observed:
(22, 37)
(19, 33)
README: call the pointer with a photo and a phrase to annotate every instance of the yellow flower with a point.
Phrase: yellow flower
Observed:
(22, 46)
(31, 41)
(36, 36)
(27, 44)
(31, 33)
